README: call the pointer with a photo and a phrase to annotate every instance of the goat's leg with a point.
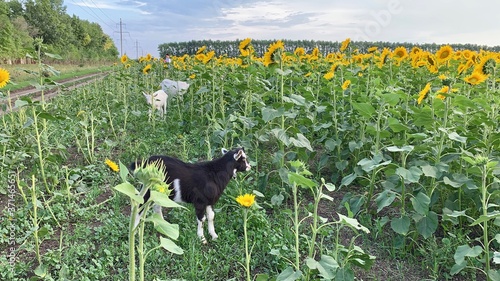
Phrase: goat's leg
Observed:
(200, 215)
(157, 209)
(210, 218)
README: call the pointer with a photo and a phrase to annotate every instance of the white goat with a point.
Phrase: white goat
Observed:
(159, 100)
(173, 88)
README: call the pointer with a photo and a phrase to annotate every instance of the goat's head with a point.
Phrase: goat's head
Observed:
(240, 160)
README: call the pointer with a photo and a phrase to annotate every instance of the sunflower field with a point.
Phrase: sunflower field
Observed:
(377, 165)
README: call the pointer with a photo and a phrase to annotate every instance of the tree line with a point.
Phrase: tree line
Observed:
(72, 38)
(231, 48)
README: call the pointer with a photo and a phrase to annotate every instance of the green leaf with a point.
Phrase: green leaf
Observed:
(410, 176)
(466, 251)
(454, 136)
(406, 148)
(43, 231)
(261, 277)
(430, 171)
(427, 225)
(123, 171)
(456, 268)
(170, 246)
(164, 227)
(384, 199)
(344, 274)
(163, 200)
(395, 125)
(484, 218)
(129, 190)
(352, 223)
(277, 200)
(455, 184)
(269, 114)
(401, 225)
(494, 275)
(347, 180)
(54, 56)
(296, 99)
(289, 275)
(327, 266)
(300, 180)
(41, 271)
(301, 141)
(421, 203)
(365, 109)
(281, 135)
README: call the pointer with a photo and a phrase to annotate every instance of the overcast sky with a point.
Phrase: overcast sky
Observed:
(149, 23)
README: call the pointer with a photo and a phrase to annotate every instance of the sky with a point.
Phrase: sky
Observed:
(138, 27)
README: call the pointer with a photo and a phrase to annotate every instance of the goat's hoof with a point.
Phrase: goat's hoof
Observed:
(214, 237)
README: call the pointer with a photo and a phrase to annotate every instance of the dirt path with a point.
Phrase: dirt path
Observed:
(36, 94)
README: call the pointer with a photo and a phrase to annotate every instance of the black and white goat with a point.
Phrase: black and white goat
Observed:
(201, 183)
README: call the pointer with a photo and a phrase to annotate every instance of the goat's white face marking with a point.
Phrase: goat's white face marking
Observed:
(241, 154)
(177, 189)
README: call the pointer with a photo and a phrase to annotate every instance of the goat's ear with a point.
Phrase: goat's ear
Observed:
(224, 151)
(238, 155)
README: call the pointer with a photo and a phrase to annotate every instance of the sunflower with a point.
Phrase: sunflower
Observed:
(208, 57)
(315, 52)
(400, 54)
(148, 57)
(329, 75)
(383, 57)
(345, 44)
(4, 77)
(372, 49)
(112, 165)
(445, 90)
(485, 64)
(273, 49)
(423, 93)
(299, 51)
(476, 78)
(201, 50)
(444, 54)
(415, 50)
(245, 47)
(124, 59)
(346, 84)
(246, 200)
(146, 69)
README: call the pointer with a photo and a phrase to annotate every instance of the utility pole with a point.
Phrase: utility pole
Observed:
(121, 35)
(137, 48)
(121, 38)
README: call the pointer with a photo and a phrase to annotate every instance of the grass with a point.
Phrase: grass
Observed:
(22, 77)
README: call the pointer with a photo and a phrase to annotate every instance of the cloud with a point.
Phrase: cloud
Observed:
(151, 23)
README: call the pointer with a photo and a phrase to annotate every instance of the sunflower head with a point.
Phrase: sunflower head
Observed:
(4, 77)
(201, 50)
(400, 53)
(124, 59)
(329, 75)
(345, 44)
(476, 78)
(299, 51)
(346, 84)
(444, 54)
(147, 69)
(112, 165)
(246, 200)
(273, 52)
(423, 93)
